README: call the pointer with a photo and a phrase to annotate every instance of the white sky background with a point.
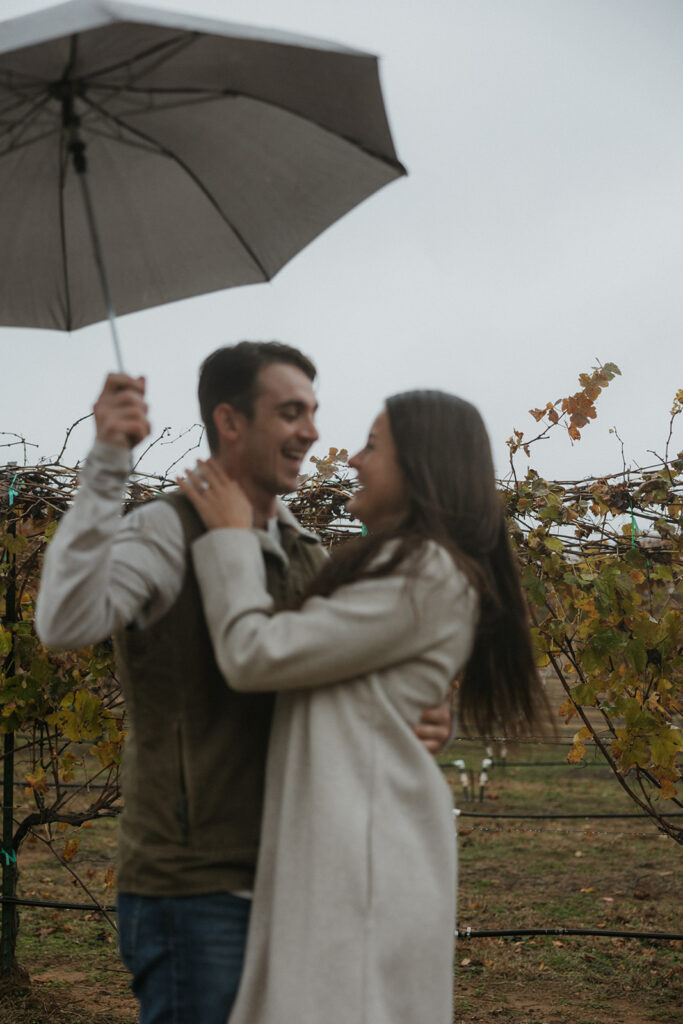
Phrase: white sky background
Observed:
(540, 227)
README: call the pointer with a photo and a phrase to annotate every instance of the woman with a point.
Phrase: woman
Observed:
(354, 905)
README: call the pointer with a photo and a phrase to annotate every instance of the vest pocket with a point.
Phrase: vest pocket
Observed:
(182, 808)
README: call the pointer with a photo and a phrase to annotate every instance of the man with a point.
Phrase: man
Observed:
(193, 768)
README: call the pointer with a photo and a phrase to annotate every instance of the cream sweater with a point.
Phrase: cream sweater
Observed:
(354, 906)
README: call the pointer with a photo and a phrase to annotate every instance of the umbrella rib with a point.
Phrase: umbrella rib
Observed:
(25, 122)
(163, 151)
(195, 97)
(17, 102)
(29, 142)
(24, 96)
(10, 73)
(166, 90)
(174, 45)
(220, 93)
(112, 136)
(121, 140)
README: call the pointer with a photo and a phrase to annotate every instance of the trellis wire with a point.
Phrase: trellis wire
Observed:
(557, 817)
(460, 933)
(471, 933)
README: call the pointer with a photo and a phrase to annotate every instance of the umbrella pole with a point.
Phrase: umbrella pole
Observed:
(77, 150)
(66, 90)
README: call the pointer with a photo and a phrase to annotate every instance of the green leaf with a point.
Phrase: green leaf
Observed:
(41, 670)
(5, 642)
(666, 746)
(13, 544)
(608, 642)
(533, 585)
(636, 655)
(540, 644)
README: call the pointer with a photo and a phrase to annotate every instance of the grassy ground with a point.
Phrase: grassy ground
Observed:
(612, 874)
(71, 956)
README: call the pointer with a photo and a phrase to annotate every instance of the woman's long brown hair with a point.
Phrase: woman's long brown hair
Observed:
(443, 451)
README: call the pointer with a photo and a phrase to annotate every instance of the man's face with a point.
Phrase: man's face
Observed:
(276, 439)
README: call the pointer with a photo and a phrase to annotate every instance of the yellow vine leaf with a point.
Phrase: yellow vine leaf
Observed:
(577, 751)
(70, 849)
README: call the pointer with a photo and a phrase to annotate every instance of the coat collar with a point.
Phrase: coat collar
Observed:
(292, 531)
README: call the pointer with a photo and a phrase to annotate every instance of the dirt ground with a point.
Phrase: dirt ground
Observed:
(613, 874)
(538, 1004)
(59, 996)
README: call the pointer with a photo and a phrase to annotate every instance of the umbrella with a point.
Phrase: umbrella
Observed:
(188, 154)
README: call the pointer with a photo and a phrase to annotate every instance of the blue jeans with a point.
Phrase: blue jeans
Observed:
(185, 954)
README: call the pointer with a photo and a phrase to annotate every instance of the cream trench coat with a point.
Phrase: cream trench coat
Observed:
(354, 903)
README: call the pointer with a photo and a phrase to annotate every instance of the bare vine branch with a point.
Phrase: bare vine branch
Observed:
(88, 416)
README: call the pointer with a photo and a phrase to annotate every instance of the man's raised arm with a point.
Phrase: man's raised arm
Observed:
(101, 571)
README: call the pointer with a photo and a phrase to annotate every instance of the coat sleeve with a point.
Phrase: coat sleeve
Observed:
(360, 628)
(102, 571)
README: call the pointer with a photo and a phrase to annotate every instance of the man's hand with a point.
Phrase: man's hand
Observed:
(121, 411)
(434, 727)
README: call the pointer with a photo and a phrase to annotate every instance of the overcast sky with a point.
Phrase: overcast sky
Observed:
(540, 228)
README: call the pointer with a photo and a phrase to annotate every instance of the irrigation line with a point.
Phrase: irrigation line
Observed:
(548, 764)
(56, 905)
(559, 817)
(548, 817)
(508, 933)
(466, 933)
(536, 764)
(68, 785)
(531, 741)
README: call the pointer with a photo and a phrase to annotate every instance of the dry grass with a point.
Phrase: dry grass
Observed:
(614, 874)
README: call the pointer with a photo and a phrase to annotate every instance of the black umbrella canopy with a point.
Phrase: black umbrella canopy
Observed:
(214, 154)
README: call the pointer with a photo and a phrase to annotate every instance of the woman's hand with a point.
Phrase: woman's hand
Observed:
(220, 501)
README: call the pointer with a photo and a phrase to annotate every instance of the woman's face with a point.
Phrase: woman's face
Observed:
(382, 500)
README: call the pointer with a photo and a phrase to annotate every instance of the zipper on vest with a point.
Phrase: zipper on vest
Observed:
(182, 811)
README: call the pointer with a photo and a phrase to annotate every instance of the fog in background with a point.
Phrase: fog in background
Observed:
(540, 228)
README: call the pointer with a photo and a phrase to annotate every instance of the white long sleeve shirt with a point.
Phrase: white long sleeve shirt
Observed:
(103, 571)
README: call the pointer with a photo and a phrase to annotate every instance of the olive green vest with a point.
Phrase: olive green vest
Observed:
(194, 760)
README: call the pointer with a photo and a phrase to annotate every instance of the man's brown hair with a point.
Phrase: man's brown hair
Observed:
(230, 374)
